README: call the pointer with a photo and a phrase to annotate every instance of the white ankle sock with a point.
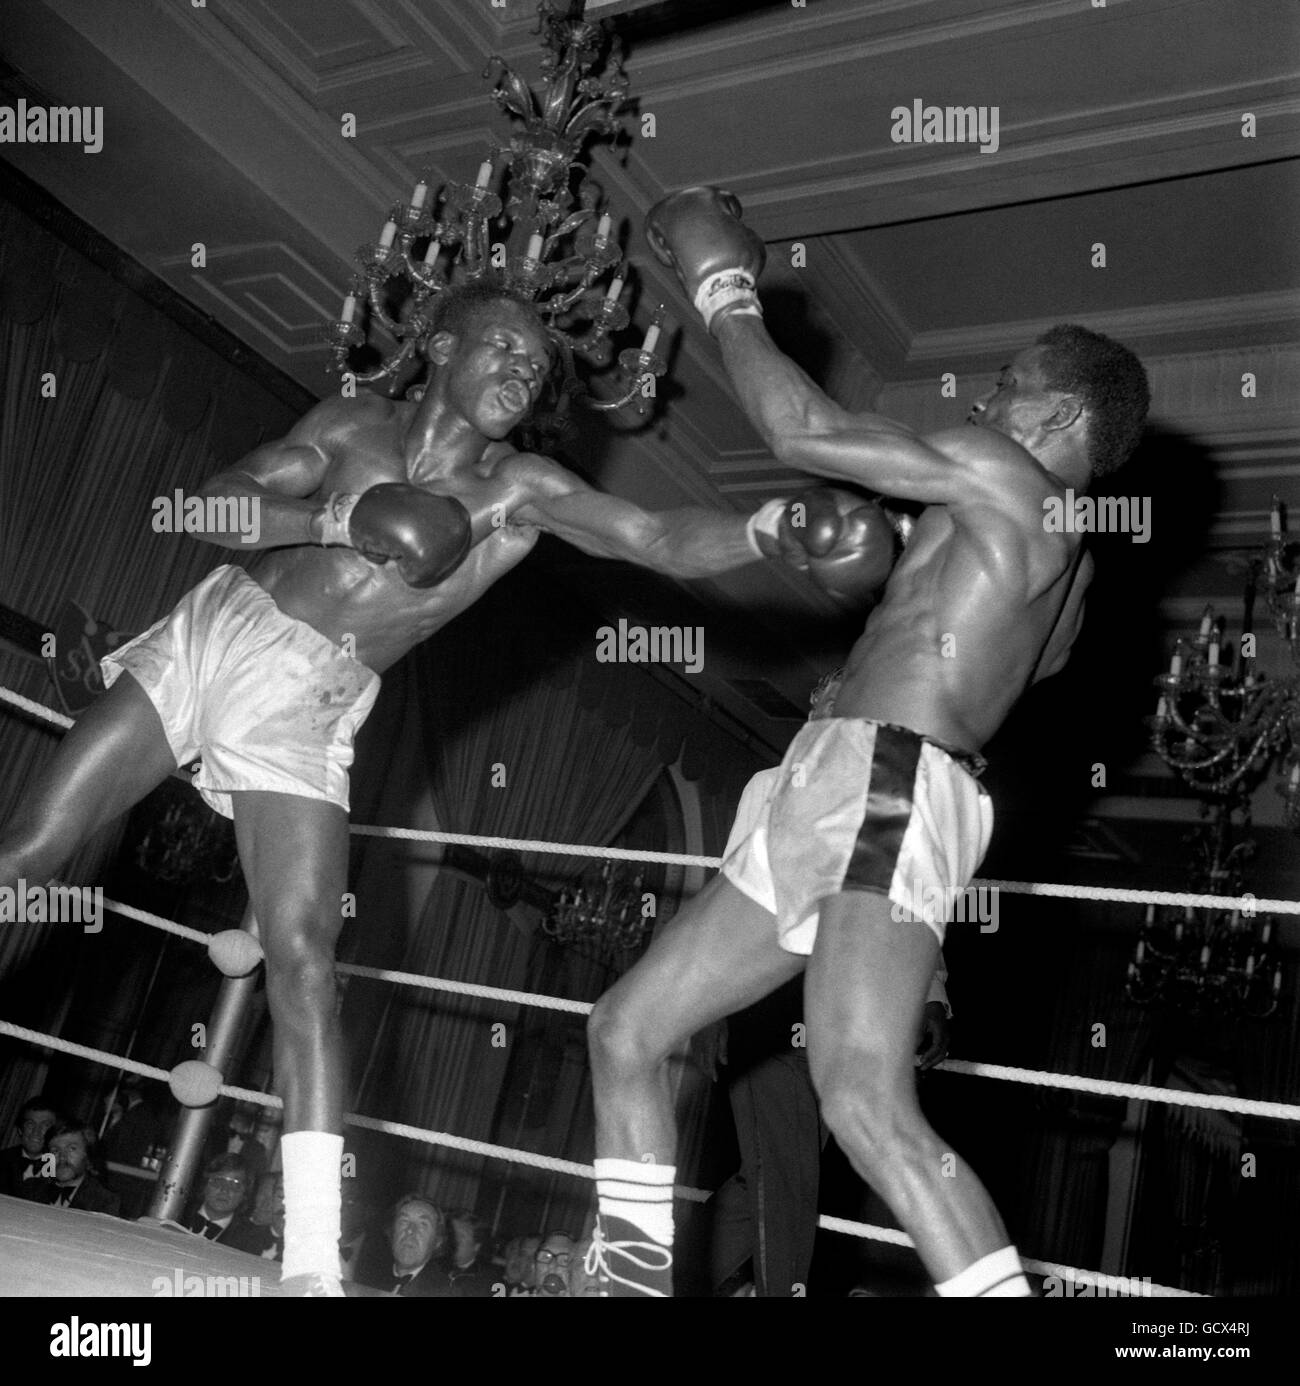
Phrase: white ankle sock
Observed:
(640, 1194)
(998, 1275)
(312, 1202)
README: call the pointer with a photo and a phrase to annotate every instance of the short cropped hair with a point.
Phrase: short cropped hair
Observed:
(1110, 381)
(456, 307)
(36, 1104)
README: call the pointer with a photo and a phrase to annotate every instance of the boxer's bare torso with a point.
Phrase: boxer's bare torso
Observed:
(341, 593)
(982, 602)
(452, 443)
(985, 599)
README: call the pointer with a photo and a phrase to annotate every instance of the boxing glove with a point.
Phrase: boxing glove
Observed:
(843, 541)
(717, 258)
(427, 536)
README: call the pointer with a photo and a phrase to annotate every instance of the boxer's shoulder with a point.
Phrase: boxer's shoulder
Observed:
(335, 417)
(530, 473)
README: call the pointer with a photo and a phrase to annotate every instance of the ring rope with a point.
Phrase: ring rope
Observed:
(506, 994)
(528, 844)
(48, 714)
(1109, 1087)
(551, 1163)
(1112, 894)
(1100, 1087)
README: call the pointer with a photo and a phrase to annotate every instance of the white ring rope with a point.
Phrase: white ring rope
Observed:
(551, 1163)
(1113, 894)
(48, 714)
(414, 979)
(1107, 1087)
(528, 844)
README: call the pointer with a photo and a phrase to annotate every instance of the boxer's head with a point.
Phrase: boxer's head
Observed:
(1072, 383)
(491, 354)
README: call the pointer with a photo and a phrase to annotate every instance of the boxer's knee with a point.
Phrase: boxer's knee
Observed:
(618, 1042)
(299, 962)
(872, 1114)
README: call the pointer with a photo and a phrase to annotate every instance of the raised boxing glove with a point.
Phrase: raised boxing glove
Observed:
(427, 536)
(717, 258)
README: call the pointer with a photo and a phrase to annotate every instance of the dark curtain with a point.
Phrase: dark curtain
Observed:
(106, 405)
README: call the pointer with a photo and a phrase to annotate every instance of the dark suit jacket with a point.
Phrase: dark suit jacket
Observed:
(375, 1269)
(240, 1233)
(91, 1196)
(12, 1164)
(431, 1283)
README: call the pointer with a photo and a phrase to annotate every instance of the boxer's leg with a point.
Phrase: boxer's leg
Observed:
(717, 955)
(294, 852)
(113, 755)
(864, 992)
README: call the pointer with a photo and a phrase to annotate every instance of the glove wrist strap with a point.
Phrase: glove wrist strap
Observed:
(765, 520)
(335, 519)
(731, 288)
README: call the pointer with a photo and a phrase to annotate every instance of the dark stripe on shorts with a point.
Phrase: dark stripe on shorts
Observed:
(888, 810)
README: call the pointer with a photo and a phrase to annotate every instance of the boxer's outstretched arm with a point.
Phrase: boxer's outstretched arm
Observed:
(806, 429)
(689, 542)
(280, 476)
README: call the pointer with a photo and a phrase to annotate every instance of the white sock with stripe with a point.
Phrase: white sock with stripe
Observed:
(638, 1193)
(999, 1275)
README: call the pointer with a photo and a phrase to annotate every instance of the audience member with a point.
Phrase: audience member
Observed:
(24, 1170)
(581, 1284)
(75, 1184)
(268, 1213)
(239, 1136)
(554, 1259)
(356, 1219)
(219, 1215)
(411, 1261)
(470, 1270)
(520, 1266)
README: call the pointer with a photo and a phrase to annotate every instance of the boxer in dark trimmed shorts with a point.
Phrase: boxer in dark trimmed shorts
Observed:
(985, 601)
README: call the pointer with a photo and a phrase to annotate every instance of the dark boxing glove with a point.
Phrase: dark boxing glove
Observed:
(427, 536)
(843, 541)
(717, 258)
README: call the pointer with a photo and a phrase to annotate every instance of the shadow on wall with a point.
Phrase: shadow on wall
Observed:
(1041, 763)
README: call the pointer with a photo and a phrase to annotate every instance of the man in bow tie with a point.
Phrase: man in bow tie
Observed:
(219, 1216)
(418, 1238)
(23, 1167)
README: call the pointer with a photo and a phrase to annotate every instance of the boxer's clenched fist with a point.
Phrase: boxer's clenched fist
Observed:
(427, 536)
(717, 257)
(843, 541)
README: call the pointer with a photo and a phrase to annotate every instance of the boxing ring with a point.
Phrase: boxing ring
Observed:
(122, 1258)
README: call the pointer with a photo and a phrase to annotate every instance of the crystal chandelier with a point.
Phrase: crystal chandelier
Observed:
(546, 235)
(1221, 724)
(604, 907)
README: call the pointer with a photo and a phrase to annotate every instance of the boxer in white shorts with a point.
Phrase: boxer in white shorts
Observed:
(265, 699)
(379, 521)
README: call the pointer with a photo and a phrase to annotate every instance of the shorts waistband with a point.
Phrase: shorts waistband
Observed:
(971, 761)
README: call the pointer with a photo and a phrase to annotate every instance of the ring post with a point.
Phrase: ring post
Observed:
(225, 1028)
